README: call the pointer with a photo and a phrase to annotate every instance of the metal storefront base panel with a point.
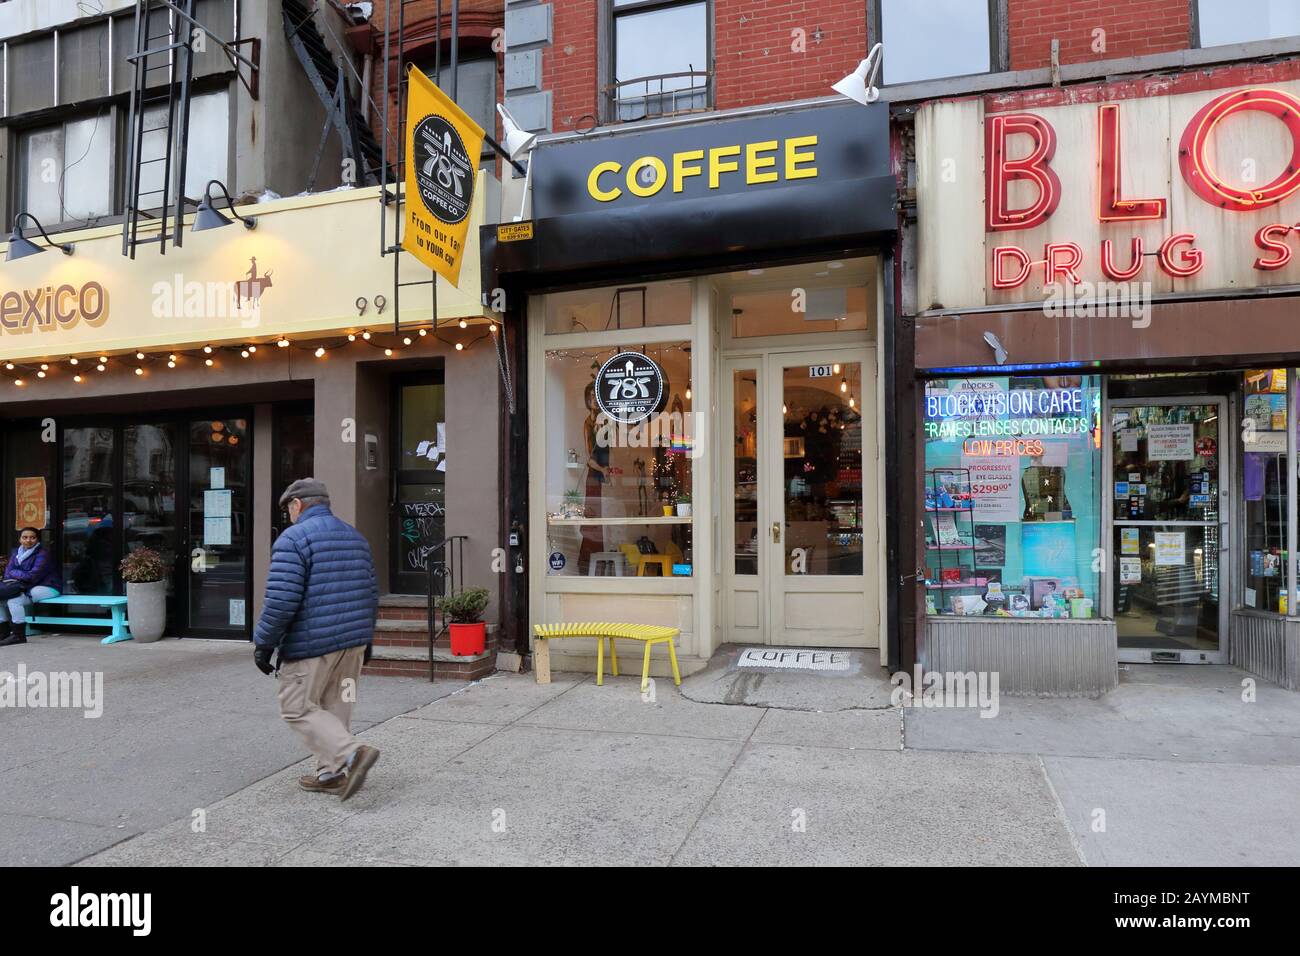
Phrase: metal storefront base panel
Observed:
(1031, 658)
(1268, 646)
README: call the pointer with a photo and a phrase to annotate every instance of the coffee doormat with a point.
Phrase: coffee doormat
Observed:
(794, 658)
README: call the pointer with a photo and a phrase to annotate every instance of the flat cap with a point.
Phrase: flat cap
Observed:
(304, 488)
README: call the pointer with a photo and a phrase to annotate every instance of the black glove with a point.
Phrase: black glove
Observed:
(262, 658)
(365, 658)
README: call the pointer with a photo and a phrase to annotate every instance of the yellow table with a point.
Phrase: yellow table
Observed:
(605, 632)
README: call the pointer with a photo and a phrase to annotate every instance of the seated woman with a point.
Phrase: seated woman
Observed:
(32, 574)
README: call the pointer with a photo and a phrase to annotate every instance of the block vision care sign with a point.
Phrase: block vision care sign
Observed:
(442, 150)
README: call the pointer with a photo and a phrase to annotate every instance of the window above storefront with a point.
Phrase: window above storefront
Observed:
(1220, 22)
(634, 306)
(937, 39)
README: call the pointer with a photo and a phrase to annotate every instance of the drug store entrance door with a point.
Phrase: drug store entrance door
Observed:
(1169, 528)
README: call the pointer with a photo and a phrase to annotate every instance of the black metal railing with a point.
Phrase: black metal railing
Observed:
(668, 94)
(445, 577)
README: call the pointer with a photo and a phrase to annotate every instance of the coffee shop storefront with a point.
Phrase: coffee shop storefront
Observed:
(167, 401)
(708, 311)
(1107, 379)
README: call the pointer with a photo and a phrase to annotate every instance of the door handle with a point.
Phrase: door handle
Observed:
(776, 532)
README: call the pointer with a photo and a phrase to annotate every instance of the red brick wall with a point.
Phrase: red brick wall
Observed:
(764, 60)
(569, 68)
(1131, 28)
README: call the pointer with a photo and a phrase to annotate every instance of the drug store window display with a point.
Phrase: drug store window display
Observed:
(619, 460)
(1012, 496)
(1264, 488)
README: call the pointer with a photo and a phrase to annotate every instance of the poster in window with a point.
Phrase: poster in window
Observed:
(29, 500)
(1170, 443)
(1171, 548)
(994, 486)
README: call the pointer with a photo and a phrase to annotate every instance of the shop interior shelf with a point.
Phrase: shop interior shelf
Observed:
(950, 547)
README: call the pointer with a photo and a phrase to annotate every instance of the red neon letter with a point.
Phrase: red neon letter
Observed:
(1073, 258)
(1110, 207)
(1000, 279)
(1199, 171)
(1000, 171)
(1108, 261)
(1194, 259)
(1273, 239)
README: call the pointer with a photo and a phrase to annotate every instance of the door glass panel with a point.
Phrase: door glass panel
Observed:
(1166, 471)
(218, 510)
(419, 518)
(149, 491)
(89, 502)
(295, 458)
(822, 481)
(745, 478)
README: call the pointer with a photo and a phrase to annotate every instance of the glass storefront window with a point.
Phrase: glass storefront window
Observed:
(618, 496)
(626, 307)
(1264, 487)
(1013, 496)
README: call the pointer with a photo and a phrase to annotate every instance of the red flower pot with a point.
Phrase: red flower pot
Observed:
(468, 639)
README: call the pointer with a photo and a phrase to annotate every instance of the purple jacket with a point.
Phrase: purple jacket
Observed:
(40, 569)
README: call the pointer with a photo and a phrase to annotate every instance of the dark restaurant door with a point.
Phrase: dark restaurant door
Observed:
(177, 485)
(418, 503)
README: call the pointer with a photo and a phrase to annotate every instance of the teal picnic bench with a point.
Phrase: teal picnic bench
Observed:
(118, 627)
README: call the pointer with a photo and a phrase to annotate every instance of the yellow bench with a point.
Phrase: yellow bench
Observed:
(604, 632)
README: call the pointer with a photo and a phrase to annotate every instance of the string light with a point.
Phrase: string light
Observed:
(171, 363)
(139, 356)
(844, 385)
(100, 367)
(352, 337)
(172, 357)
(9, 366)
(40, 374)
(423, 332)
(366, 336)
(76, 378)
(208, 362)
(283, 343)
(252, 349)
(388, 352)
(243, 353)
(207, 350)
(406, 340)
(320, 353)
(44, 367)
(103, 358)
(463, 324)
(460, 346)
(72, 361)
(18, 382)
(139, 371)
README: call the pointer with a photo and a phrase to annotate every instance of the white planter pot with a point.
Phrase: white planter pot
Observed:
(146, 610)
(683, 511)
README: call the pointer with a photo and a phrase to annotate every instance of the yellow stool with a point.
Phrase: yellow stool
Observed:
(605, 632)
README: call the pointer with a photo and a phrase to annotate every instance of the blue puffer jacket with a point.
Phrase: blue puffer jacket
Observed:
(321, 594)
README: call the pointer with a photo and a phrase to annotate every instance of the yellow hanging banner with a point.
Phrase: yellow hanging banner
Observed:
(442, 149)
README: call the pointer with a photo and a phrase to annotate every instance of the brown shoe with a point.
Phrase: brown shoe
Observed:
(355, 775)
(314, 784)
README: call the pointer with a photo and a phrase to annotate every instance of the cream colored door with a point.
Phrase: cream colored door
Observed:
(819, 507)
(744, 555)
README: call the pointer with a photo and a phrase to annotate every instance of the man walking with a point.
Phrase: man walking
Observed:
(322, 597)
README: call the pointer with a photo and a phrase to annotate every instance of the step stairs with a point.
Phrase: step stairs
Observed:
(401, 646)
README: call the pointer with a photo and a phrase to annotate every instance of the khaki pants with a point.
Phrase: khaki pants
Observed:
(316, 697)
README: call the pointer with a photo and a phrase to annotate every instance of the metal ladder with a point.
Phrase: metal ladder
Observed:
(162, 43)
(163, 71)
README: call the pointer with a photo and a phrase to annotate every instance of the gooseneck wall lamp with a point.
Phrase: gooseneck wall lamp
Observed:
(20, 247)
(209, 218)
(518, 143)
(860, 85)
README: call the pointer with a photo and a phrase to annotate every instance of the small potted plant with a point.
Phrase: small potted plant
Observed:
(146, 594)
(684, 505)
(465, 612)
(573, 503)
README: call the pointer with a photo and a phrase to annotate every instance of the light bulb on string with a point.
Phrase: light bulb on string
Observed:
(99, 367)
(103, 358)
(18, 382)
(171, 364)
(844, 385)
(208, 362)
(76, 378)
(44, 367)
(406, 340)
(460, 346)
(9, 366)
(40, 374)
(352, 337)
(243, 353)
(366, 336)
(283, 343)
(320, 353)
(388, 352)
(252, 349)
(139, 356)
(207, 350)
(423, 332)
(139, 371)
(72, 361)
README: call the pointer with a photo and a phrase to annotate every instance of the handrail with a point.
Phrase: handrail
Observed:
(615, 94)
(440, 572)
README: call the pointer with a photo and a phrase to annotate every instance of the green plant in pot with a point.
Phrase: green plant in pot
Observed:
(145, 575)
(465, 612)
(573, 503)
(684, 505)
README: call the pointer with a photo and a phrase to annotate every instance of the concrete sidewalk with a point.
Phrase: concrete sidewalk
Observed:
(184, 724)
(1174, 767)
